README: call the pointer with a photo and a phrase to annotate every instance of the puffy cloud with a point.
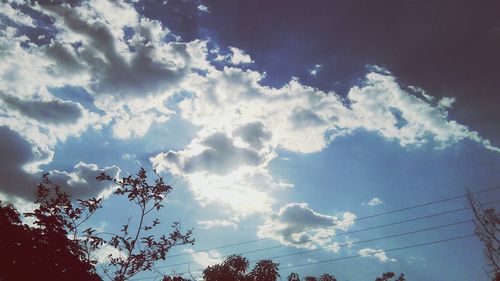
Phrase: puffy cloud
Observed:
(379, 254)
(102, 254)
(53, 111)
(82, 183)
(255, 134)
(296, 224)
(220, 157)
(203, 8)
(380, 105)
(238, 56)
(205, 259)
(219, 171)
(374, 202)
(17, 181)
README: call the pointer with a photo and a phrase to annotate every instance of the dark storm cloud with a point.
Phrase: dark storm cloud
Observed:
(221, 156)
(53, 111)
(254, 134)
(449, 48)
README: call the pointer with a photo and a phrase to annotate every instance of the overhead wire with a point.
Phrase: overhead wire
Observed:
(350, 232)
(351, 256)
(334, 235)
(336, 223)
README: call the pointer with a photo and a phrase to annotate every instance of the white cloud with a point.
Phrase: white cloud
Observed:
(239, 56)
(297, 225)
(15, 15)
(217, 223)
(203, 8)
(375, 201)
(102, 254)
(379, 254)
(314, 71)
(205, 258)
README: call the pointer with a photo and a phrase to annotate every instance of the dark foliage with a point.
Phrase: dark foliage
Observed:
(389, 275)
(40, 253)
(234, 268)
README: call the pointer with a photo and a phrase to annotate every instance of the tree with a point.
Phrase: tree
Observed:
(389, 275)
(487, 228)
(141, 250)
(293, 277)
(265, 270)
(40, 253)
(234, 268)
(327, 277)
(60, 250)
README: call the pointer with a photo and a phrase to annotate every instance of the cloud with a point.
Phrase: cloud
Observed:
(203, 8)
(314, 71)
(219, 171)
(102, 254)
(374, 202)
(53, 111)
(82, 183)
(17, 181)
(296, 224)
(16, 16)
(239, 56)
(379, 254)
(206, 258)
(207, 224)
(131, 72)
(220, 157)
(255, 134)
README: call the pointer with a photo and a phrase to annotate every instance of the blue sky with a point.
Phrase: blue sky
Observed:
(269, 117)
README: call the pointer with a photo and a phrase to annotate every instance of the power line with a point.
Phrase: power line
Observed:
(371, 240)
(335, 223)
(352, 243)
(336, 235)
(353, 256)
(382, 251)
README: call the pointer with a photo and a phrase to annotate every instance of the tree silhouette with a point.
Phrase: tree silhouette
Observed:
(141, 250)
(40, 253)
(487, 228)
(389, 275)
(57, 249)
(293, 277)
(265, 270)
(234, 268)
(327, 277)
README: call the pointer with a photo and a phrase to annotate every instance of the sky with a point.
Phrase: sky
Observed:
(286, 123)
